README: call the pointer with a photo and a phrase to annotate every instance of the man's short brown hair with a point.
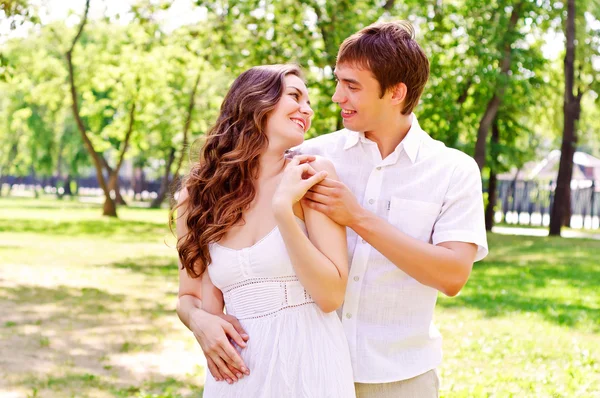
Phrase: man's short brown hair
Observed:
(390, 52)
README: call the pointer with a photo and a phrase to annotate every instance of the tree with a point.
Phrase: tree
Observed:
(116, 119)
(494, 103)
(580, 77)
(109, 208)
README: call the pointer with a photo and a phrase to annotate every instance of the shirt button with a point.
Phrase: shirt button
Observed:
(364, 241)
(348, 315)
(357, 278)
(379, 168)
(371, 201)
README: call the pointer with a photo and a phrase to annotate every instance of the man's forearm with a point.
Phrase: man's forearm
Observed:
(186, 304)
(435, 266)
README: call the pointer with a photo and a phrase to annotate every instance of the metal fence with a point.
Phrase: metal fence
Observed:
(519, 202)
(530, 202)
(87, 184)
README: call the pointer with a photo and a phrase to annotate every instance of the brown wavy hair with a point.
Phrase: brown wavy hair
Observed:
(220, 185)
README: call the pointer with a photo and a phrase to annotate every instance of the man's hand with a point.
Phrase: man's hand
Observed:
(213, 334)
(335, 200)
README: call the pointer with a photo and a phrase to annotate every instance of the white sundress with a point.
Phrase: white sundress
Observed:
(295, 349)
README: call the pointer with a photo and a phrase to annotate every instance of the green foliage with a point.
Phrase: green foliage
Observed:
(118, 65)
(17, 12)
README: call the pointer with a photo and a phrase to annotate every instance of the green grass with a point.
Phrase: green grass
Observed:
(87, 309)
(87, 304)
(527, 323)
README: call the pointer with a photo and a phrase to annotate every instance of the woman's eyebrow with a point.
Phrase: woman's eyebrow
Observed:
(299, 92)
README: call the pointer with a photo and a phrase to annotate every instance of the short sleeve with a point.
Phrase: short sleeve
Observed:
(462, 216)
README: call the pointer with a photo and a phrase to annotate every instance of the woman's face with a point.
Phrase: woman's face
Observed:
(291, 118)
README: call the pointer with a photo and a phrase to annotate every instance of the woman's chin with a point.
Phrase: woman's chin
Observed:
(296, 141)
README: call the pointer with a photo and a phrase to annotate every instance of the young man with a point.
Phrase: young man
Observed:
(413, 208)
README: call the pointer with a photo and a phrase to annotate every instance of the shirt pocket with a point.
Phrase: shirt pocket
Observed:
(414, 217)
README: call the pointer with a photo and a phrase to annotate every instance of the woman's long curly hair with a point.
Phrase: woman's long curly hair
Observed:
(220, 185)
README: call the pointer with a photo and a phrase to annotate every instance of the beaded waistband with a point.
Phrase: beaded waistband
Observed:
(262, 297)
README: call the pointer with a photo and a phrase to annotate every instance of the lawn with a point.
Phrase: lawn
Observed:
(87, 310)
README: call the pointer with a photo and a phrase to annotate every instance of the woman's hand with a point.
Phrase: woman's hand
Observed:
(213, 333)
(298, 177)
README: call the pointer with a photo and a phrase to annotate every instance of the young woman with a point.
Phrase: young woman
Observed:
(247, 243)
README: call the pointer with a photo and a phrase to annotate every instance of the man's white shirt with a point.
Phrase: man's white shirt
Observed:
(428, 191)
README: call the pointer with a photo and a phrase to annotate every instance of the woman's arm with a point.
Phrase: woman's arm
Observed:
(321, 259)
(212, 297)
(211, 331)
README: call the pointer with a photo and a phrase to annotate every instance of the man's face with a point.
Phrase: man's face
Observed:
(357, 92)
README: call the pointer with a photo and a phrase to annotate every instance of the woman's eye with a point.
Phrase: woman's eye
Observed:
(295, 95)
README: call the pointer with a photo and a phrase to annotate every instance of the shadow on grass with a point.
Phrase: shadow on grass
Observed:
(150, 266)
(85, 304)
(555, 278)
(51, 318)
(167, 388)
(132, 230)
(69, 300)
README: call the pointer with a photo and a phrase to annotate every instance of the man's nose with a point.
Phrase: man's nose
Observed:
(338, 96)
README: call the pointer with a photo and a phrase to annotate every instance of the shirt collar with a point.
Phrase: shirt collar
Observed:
(351, 139)
(410, 143)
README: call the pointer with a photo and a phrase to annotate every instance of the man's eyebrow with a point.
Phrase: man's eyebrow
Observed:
(349, 81)
(299, 92)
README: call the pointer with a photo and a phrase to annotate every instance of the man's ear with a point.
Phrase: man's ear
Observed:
(398, 93)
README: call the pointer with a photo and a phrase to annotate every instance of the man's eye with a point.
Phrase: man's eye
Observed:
(352, 88)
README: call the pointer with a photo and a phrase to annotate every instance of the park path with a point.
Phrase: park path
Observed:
(543, 232)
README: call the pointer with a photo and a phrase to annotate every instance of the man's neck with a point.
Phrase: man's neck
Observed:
(390, 135)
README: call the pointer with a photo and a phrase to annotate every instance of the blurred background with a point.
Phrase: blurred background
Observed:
(103, 103)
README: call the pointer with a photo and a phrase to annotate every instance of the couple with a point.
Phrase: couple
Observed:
(376, 225)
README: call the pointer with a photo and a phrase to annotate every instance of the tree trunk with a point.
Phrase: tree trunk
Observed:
(571, 108)
(109, 205)
(138, 183)
(67, 185)
(164, 184)
(113, 180)
(493, 180)
(494, 103)
(568, 210)
(492, 198)
(59, 166)
(115, 190)
(2, 177)
(186, 128)
(12, 155)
